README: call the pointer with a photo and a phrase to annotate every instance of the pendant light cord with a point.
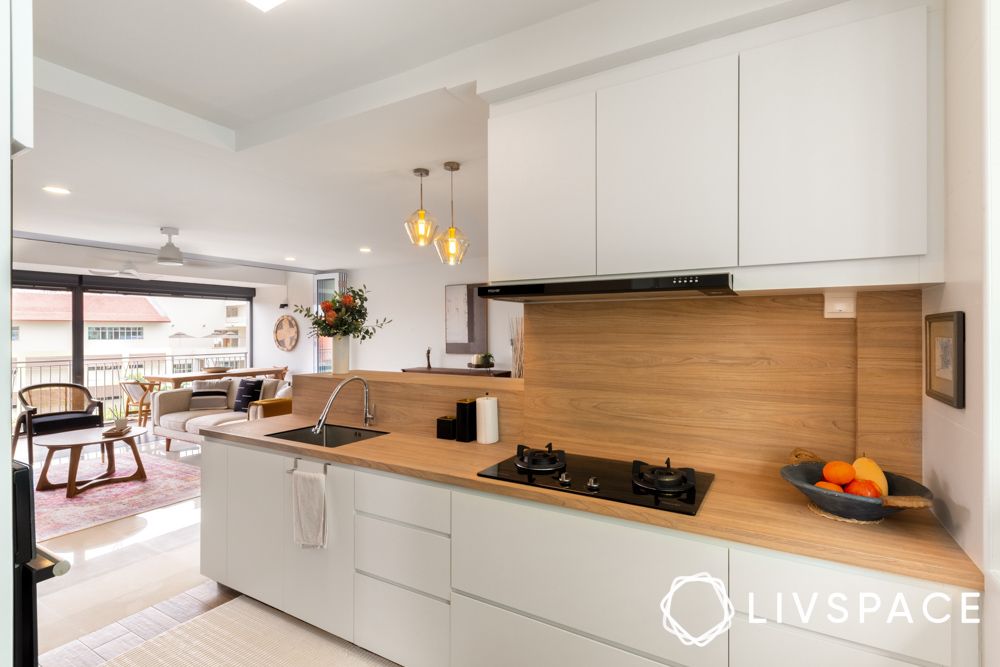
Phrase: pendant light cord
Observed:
(452, 200)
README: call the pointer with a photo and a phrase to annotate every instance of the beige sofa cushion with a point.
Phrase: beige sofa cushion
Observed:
(215, 419)
(177, 421)
(269, 388)
(230, 385)
(284, 392)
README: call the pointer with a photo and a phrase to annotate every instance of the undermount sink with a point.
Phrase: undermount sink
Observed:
(331, 436)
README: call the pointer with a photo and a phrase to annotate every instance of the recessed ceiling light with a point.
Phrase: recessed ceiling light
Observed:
(56, 190)
(265, 5)
(364, 249)
(289, 259)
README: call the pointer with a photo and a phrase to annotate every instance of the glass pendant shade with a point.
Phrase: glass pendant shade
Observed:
(451, 246)
(420, 227)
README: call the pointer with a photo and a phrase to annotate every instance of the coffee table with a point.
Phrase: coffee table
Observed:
(75, 441)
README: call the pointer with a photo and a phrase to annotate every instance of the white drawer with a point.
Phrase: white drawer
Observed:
(414, 503)
(752, 645)
(797, 579)
(589, 574)
(403, 626)
(486, 636)
(408, 556)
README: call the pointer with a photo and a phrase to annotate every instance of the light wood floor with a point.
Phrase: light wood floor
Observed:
(122, 567)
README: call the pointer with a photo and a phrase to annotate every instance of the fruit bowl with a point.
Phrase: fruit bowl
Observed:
(803, 476)
(215, 369)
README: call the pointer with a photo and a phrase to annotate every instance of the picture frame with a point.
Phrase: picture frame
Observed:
(944, 357)
(465, 322)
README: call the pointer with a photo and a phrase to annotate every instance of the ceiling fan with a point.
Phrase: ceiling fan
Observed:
(127, 270)
(170, 254)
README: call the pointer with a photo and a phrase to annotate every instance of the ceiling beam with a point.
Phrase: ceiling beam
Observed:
(96, 93)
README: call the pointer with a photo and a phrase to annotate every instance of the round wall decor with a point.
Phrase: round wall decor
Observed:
(286, 333)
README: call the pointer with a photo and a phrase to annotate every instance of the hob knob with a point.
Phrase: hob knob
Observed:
(593, 484)
(564, 479)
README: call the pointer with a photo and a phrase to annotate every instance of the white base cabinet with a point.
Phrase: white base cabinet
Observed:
(246, 535)
(487, 636)
(600, 577)
(402, 625)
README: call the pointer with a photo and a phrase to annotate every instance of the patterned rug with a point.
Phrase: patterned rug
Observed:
(246, 633)
(167, 482)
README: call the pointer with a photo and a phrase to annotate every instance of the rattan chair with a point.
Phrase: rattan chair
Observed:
(54, 408)
(138, 398)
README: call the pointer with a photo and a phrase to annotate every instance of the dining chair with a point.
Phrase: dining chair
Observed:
(138, 399)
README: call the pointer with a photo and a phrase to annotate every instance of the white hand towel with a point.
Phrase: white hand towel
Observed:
(309, 509)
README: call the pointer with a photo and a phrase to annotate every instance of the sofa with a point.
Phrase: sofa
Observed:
(177, 415)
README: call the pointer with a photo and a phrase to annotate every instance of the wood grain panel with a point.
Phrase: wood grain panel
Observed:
(890, 359)
(744, 379)
(406, 402)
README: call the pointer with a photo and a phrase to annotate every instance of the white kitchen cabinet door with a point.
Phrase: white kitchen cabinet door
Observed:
(798, 591)
(667, 169)
(588, 574)
(255, 524)
(541, 191)
(833, 143)
(409, 628)
(486, 636)
(752, 645)
(214, 509)
(405, 500)
(318, 584)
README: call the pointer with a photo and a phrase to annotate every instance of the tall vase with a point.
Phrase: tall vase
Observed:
(341, 354)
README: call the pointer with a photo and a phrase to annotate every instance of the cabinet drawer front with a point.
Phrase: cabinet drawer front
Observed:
(796, 580)
(403, 626)
(601, 577)
(407, 556)
(410, 502)
(482, 635)
(753, 644)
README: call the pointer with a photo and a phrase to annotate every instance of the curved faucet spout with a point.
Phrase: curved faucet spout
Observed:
(369, 417)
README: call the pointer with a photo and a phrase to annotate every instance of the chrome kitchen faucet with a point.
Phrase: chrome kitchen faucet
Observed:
(369, 415)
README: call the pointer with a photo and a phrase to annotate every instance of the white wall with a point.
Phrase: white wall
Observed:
(412, 296)
(954, 439)
(266, 311)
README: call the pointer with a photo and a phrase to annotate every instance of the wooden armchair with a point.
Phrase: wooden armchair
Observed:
(54, 408)
(138, 399)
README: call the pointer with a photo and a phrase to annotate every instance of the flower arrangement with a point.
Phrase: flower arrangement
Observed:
(343, 315)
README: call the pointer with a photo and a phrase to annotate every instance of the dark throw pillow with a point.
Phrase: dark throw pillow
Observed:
(248, 392)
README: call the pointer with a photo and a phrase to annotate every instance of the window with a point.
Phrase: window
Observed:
(114, 333)
(182, 367)
(15, 333)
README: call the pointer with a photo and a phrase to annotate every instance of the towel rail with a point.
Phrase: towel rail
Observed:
(295, 466)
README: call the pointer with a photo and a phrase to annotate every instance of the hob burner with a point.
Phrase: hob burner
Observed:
(545, 460)
(662, 479)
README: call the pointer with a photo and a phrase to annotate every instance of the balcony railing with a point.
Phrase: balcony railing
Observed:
(103, 374)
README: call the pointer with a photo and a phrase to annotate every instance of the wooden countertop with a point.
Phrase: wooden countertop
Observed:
(765, 512)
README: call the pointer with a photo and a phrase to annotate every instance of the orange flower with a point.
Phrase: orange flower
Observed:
(326, 306)
(330, 317)
(347, 300)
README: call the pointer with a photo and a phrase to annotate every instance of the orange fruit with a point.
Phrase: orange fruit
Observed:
(829, 486)
(839, 472)
(863, 487)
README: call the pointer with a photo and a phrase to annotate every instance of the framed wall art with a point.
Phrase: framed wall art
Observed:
(465, 324)
(944, 357)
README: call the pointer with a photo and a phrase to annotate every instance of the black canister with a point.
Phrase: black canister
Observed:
(465, 420)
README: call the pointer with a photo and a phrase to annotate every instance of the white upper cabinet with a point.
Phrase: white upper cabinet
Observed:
(541, 191)
(833, 143)
(667, 169)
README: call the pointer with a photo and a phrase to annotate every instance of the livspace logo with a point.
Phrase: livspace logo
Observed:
(803, 609)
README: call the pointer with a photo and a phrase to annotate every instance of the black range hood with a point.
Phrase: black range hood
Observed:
(623, 289)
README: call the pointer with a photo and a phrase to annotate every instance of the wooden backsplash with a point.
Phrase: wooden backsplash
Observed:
(734, 381)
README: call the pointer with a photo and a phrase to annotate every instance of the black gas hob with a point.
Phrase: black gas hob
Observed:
(637, 483)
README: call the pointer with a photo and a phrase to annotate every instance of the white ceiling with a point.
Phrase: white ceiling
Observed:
(318, 195)
(228, 62)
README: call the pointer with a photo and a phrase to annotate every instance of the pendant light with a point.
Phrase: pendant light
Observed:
(420, 226)
(452, 244)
